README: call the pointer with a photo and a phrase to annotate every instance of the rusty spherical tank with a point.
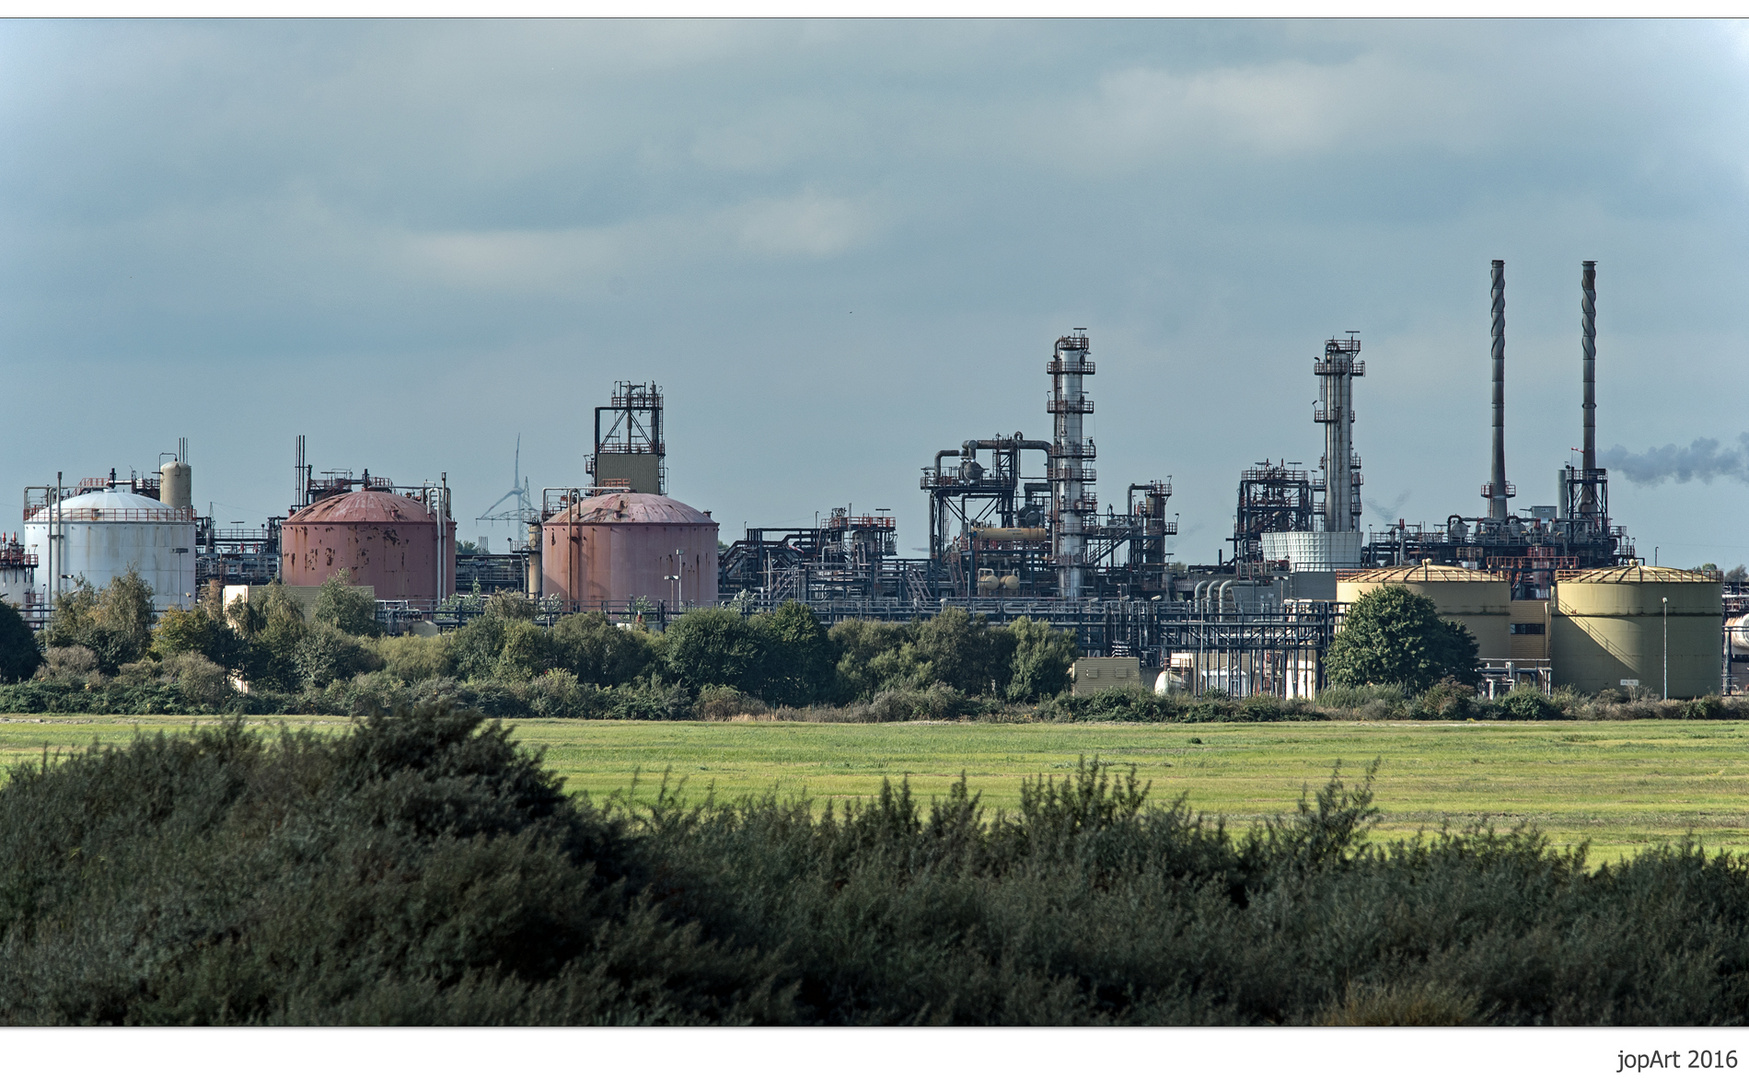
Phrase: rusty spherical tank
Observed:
(386, 540)
(605, 551)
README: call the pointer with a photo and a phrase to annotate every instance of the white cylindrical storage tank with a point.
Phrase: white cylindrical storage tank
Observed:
(174, 485)
(102, 534)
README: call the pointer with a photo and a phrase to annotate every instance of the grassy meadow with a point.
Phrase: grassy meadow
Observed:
(1623, 785)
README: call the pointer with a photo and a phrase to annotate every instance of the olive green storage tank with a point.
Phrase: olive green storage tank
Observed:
(1479, 600)
(1610, 625)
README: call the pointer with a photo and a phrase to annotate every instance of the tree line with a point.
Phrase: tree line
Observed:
(103, 650)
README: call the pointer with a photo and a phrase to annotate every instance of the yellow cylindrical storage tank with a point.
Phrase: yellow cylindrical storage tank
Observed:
(1478, 600)
(1609, 625)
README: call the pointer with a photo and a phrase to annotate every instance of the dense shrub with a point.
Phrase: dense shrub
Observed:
(1043, 659)
(716, 647)
(19, 653)
(798, 661)
(422, 869)
(72, 665)
(325, 654)
(1523, 703)
(412, 658)
(115, 624)
(596, 651)
(870, 657)
(417, 870)
(198, 680)
(340, 606)
(724, 703)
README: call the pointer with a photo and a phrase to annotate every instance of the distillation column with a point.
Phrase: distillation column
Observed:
(1072, 500)
(1335, 410)
(1497, 490)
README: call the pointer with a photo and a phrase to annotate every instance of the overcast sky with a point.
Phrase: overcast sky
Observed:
(840, 247)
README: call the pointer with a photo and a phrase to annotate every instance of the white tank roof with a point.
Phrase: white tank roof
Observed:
(108, 499)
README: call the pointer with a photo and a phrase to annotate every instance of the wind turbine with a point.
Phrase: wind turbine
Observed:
(524, 510)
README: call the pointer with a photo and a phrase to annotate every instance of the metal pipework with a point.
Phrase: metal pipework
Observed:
(1017, 443)
(1497, 490)
(1588, 346)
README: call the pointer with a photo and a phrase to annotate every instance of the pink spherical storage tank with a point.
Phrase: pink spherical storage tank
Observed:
(603, 551)
(386, 540)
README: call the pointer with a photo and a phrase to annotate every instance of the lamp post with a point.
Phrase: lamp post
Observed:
(1665, 601)
(676, 579)
(679, 589)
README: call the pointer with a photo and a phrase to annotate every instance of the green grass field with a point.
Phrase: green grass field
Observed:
(1622, 785)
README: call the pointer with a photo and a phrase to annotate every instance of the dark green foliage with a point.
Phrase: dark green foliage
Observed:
(1523, 703)
(1022, 661)
(475, 649)
(419, 870)
(422, 869)
(325, 654)
(799, 662)
(964, 652)
(114, 623)
(184, 631)
(871, 657)
(1137, 706)
(1042, 660)
(272, 628)
(1448, 700)
(716, 646)
(1392, 635)
(597, 651)
(345, 609)
(527, 650)
(19, 654)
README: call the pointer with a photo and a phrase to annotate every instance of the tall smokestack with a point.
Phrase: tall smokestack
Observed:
(1588, 345)
(1497, 490)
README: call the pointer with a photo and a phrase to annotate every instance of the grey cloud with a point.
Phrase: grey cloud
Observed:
(1701, 460)
(471, 223)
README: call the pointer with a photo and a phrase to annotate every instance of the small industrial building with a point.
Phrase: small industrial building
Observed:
(1092, 674)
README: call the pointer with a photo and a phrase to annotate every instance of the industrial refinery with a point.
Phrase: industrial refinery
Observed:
(1554, 594)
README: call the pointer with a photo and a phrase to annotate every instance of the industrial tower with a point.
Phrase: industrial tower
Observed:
(629, 453)
(1335, 410)
(1072, 499)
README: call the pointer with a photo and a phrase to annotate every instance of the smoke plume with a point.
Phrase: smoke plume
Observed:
(1703, 460)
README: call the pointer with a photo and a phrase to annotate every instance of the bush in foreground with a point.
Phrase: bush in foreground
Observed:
(424, 869)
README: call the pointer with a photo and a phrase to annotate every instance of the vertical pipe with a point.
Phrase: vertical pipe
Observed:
(57, 567)
(1588, 346)
(535, 540)
(1497, 509)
